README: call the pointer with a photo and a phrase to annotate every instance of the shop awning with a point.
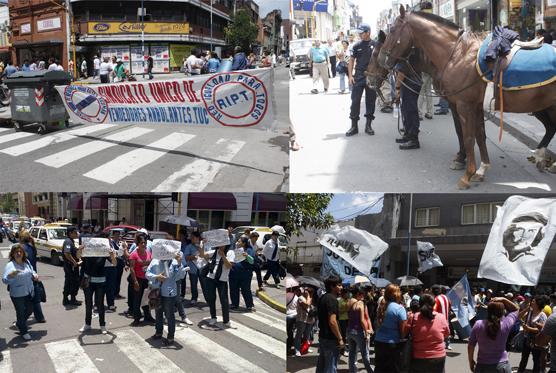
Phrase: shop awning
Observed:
(76, 202)
(45, 43)
(97, 203)
(211, 201)
(269, 202)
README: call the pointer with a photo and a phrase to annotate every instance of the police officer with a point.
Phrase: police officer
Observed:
(360, 58)
(71, 268)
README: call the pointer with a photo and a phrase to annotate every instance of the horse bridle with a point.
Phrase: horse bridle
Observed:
(388, 53)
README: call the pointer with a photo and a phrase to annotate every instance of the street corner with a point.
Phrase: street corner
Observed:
(268, 300)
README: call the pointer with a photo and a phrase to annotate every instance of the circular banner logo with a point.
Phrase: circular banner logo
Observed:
(86, 103)
(235, 99)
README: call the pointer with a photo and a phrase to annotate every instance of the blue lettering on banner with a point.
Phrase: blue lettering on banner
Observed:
(171, 114)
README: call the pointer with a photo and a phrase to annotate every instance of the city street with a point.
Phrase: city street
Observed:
(331, 162)
(151, 158)
(255, 343)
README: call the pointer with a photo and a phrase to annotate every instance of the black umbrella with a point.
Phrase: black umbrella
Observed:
(409, 281)
(306, 280)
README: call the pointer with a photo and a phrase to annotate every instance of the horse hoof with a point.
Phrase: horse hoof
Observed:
(463, 185)
(478, 178)
(457, 165)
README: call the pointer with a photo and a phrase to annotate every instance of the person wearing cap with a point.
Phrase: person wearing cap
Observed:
(253, 237)
(71, 268)
(119, 71)
(360, 58)
(319, 60)
(271, 252)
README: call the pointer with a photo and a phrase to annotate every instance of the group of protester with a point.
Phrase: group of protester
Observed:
(153, 284)
(410, 329)
(52, 64)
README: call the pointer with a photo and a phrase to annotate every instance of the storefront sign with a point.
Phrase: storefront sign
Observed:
(48, 24)
(178, 53)
(550, 2)
(25, 28)
(234, 99)
(310, 5)
(446, 9)
(135, 28)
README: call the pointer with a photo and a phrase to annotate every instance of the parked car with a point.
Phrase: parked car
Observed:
(124, 228)
(49, 241)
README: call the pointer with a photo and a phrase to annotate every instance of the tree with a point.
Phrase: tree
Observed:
(308, 210)
(7, 204)
(241, 31)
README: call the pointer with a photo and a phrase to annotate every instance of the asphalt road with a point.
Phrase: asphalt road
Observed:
(150, 158)
(330, 162)
(255, 344)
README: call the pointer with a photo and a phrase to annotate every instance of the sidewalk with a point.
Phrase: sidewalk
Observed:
(273, 297)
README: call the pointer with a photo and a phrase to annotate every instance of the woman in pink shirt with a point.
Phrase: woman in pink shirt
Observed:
(428, 331)
(139, 260)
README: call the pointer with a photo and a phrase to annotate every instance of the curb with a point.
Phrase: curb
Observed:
(271, 302)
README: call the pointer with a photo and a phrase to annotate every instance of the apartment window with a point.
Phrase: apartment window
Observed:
(479, 213)
(427, 217)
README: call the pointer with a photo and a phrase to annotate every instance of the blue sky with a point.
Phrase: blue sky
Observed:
(267, 6)
(350, 204)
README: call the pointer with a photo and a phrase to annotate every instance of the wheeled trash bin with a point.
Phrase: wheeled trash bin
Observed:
(36, 101)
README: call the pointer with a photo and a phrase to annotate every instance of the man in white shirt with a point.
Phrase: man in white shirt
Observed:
(220, 263)
(271, 251)
(96, 66)
(104, 71)
(194, 62)
(52, 65)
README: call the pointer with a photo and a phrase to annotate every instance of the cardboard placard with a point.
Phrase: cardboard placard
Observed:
(95, 247)
(165, 249)
(216, 238)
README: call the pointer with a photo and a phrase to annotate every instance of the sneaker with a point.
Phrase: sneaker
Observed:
(228, 325)
(103, 329)
(187, 321)
(136, 323)
(449, 347)
(168, 342)
(297, 353)
(85, 328)
(112, 309)
(212, 322)
(278, 286)
(41, 321)
(157, 336)
(251, 309)
(314, 91)
(193, 302)
(310, 350)
(346, 353)
(26, 336)
(428, 116)
(150, 319)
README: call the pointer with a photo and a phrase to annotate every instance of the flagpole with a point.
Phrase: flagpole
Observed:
(409, 232)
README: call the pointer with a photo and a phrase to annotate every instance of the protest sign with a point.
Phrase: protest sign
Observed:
(232, 99)
(426, 257)
(519, 239)
(216, 238)
(95, 246)
(333, 264)
(165, 249)
(461, 299)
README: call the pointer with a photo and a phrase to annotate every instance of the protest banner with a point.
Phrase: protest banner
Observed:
(232, 99)
(356, 247)
(461, 299)
(519, 239)
(216, 238)
(426, 257)
(333, 264)
(95, 246)
(165, 249)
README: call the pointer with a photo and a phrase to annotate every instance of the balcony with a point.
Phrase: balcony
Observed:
(17, 4)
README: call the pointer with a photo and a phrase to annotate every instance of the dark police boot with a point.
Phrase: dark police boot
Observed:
(413, 143)
(403, 139)
(353, 130)
(368, 128)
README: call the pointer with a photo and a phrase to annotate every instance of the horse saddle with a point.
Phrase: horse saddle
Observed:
(528, 65)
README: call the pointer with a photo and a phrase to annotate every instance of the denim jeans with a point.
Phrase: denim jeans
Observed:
(356, 341)
(302, 330)
(98, 289)
(111, 278)
(342, 81)
(137, 296)
(240, 280)
(328, 356)
(23, 309)
(527, 350)
(274, 270)
(193, 279)
(503, 367)
(179, 299)
(428, 365)
(444, 105)
(167, 305)
(214, 286)
(120, 271)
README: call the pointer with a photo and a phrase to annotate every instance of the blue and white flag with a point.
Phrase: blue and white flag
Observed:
(461, 300)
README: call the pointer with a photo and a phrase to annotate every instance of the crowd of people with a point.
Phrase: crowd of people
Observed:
(153, 284)
(410, 328)
(37, 64)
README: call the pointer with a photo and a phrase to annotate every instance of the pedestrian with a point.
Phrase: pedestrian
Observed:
(292, 298)
(119, 71)
(27, 243)
(251, 61)
(491, 336)
(150, 65)
(444, 106)
(105, 70)
(25, 66)
(442, 305)
(84, 72)
(213, 64)
(70, 69)
(96, 66)
(93, 282)
(33, 65)
(165, 275)
(332, 52)
(341, 67)
(343, 307)
(318, 62)
(220, 262)
(273, 59)
(330, 339)
(359, 331)
(428, 330)
(253, 237)
(111, 271)
(532, 320)
(52, 66)
(292, 64)
(190, 250)
(19, 276)
(304, 305)
(360, 58)
(272, 255)
(266, 61)
(194, 62)
(121, 247)
(241, 275)
(71, 268)
(392, 328)
(139, 260)
(42, 65)
(425, 96)
(239, 61)
(9, 70)
(59, 66)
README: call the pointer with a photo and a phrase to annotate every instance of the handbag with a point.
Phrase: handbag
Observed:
(84, 284)
(209, 267)
(39, 287)
(304, 346)
(154, 298)
(341, 67)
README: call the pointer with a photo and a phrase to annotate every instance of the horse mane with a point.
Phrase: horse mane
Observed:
(437, 19)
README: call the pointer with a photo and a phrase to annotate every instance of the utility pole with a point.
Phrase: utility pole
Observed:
(409, 232)
(211, 4)
(143, 34)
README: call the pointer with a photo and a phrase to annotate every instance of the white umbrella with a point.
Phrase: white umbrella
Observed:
(359, 279)
(291, 282)
(279, 229)
(184, 220)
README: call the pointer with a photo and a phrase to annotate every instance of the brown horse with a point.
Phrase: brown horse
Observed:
(453, 55)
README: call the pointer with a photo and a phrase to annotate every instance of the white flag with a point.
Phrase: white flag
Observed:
(519, 240)
(426, 257)
(357, 247)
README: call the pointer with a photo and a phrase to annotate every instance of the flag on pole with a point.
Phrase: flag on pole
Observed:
(461, 299)
(519, 239)
(426, 257)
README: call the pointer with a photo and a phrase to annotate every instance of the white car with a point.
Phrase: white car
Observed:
(264, 235)
(49, 241)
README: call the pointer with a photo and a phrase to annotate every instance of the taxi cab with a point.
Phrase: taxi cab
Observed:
(49, 240)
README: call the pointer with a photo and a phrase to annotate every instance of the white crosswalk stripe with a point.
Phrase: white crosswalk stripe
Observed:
(4, 254)
(81, 151)
(141, 354)
(56, 138)
(6, 362)
(201, 172)
(69, 357)
(6, 129)
(14, 136)
(128, 163)
(266, 320)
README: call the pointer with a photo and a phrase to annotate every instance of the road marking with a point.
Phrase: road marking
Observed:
(81, 151)
(213, 352)
(6, 362)
(267, 309)
(69, 357)
(128, 163)
(145, 357)
(280, 325)
(258, 339)
(5, 254)
(5, 129)
(196, 175)
(15, 136)
(56, 138)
